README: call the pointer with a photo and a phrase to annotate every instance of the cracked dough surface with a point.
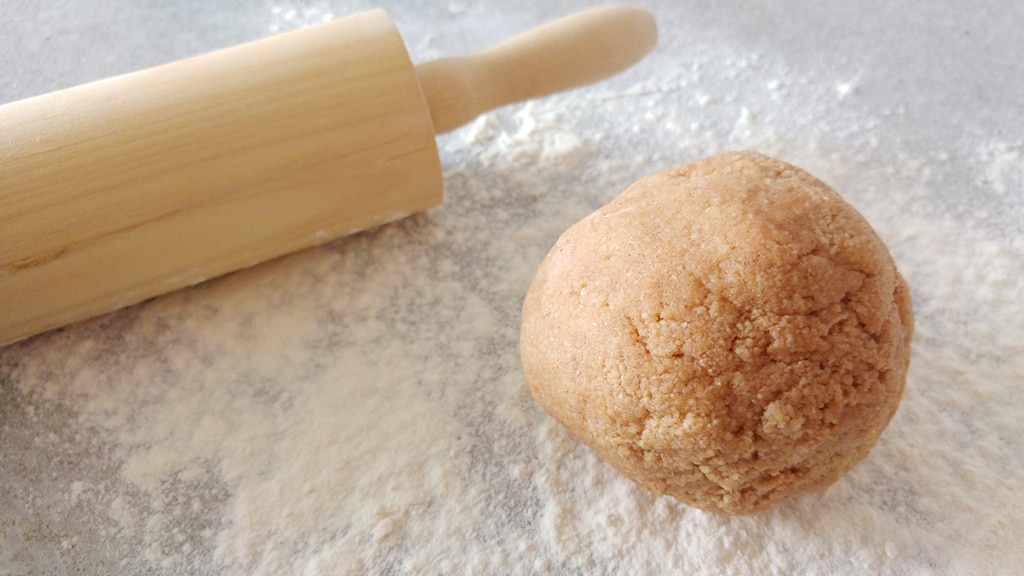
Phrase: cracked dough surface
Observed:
(729, 332)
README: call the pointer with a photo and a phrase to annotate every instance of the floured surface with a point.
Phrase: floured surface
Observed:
(360, 408)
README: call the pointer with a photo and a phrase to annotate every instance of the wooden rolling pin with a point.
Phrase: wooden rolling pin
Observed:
(120, 190)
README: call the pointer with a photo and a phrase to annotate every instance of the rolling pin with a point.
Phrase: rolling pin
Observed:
(119, 190)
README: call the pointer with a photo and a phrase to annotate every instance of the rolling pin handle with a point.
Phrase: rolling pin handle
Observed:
(575, 50)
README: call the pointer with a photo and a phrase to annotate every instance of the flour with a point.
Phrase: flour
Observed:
(287, 18)
(359, 408)
(1003, 164)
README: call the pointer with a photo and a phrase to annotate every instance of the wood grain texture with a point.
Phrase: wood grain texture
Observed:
(119, 190)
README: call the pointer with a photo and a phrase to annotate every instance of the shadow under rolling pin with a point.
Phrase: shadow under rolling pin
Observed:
(123, 189)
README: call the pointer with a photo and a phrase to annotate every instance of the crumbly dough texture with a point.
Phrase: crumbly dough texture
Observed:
(729, 332)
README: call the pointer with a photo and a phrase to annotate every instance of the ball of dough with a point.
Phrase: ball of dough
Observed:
(729, 332)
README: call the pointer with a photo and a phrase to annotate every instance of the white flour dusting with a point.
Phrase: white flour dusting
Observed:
(359, 408)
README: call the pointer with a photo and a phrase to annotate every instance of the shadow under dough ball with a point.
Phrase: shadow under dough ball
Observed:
(729, 332)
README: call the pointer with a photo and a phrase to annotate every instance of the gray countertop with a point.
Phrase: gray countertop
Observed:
(359, 407)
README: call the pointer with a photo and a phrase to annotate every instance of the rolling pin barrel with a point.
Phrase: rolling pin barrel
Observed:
(123, 189)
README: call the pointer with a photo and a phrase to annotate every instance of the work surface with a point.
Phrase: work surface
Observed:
(360, 407)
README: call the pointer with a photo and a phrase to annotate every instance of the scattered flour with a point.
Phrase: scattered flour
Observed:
(287, 18)
(359, 408)
(1003, 164)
